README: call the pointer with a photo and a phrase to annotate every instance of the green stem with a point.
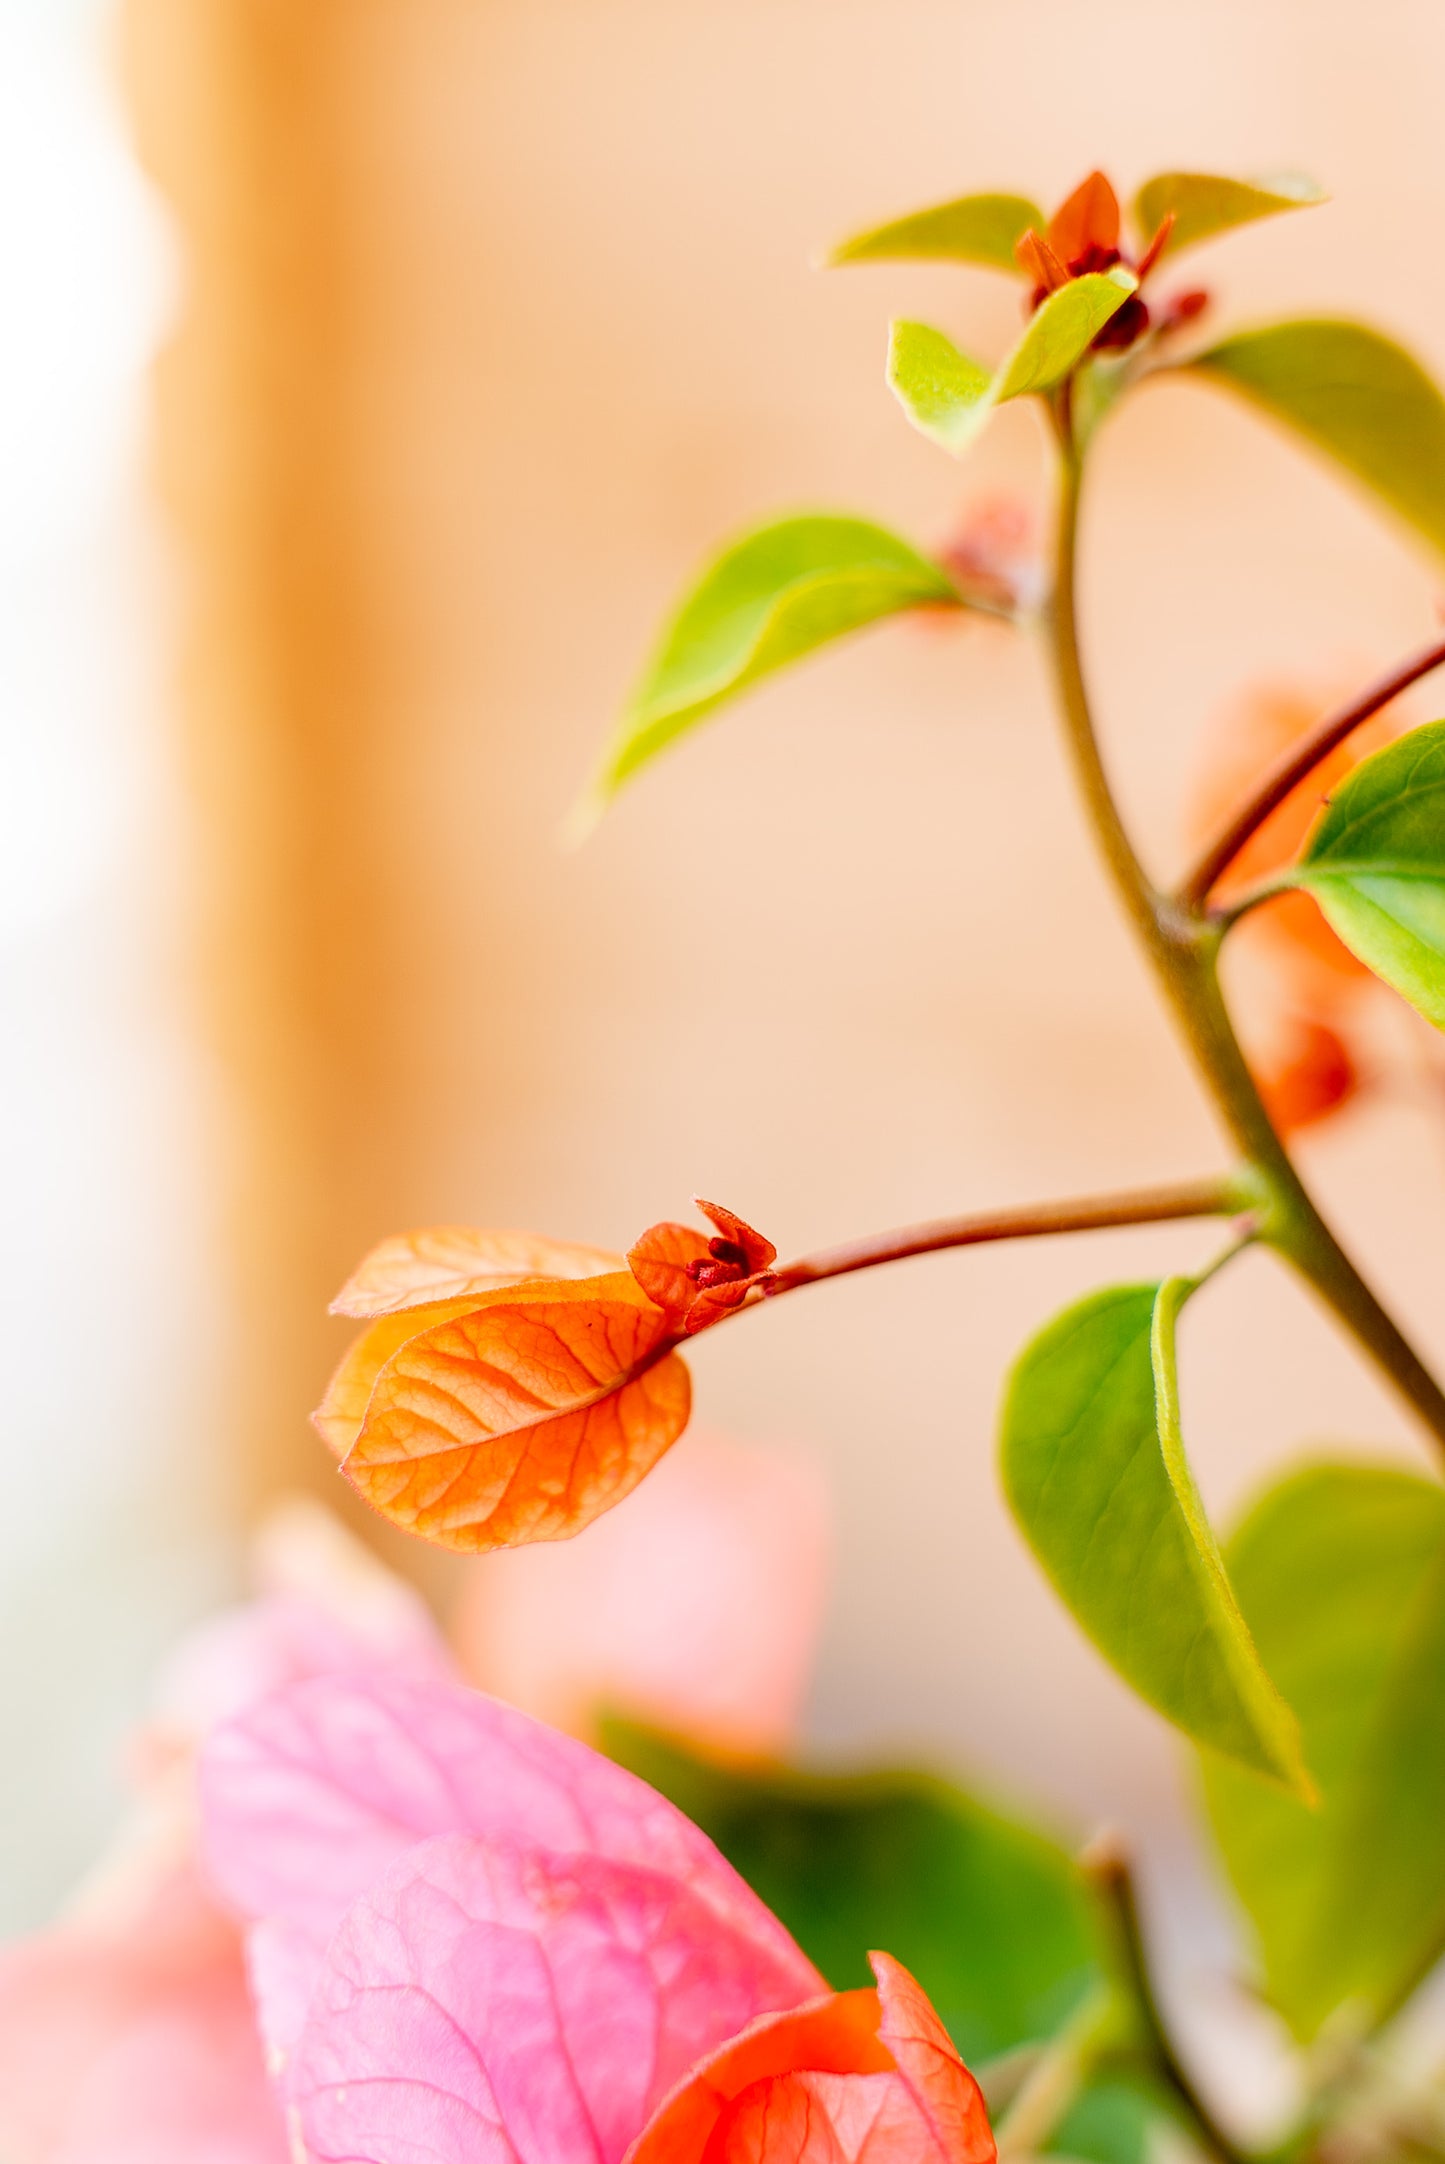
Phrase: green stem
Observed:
(1183, 948)
(1055, 2079)
(1110, 1875)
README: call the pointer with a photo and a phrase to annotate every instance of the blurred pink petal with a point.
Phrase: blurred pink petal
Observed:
(485, 2000)
(133, 2041)
(325, 1606)
(697, 1608)
(310, 1796)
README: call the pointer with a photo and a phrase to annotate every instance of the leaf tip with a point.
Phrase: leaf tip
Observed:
(584, 818)
(1300, 188)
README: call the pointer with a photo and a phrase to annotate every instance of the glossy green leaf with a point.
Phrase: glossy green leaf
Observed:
(771, 598)
(1340, 1570)
(949, 397)
(970, 229)
(993, 1920)
(1375, 862)
(1094, 1468)
(1207, 203)
(1355, 395)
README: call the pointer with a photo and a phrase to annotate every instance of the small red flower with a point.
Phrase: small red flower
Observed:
(694, 1280)
(1084, 235)
(993, 553)
(1313, 1076)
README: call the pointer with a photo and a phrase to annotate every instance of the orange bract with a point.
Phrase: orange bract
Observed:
(1312, 1077)
(1242, 746)
(1086, 221)
(837, 2035)
(1083, 237)
(945, 2092)
(694, 1280)
(449, 1262)
(861, 2075)
(337, 1419)
(522, 1419)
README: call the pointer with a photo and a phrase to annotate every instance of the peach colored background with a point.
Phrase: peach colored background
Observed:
(501, 316)
(845, 959)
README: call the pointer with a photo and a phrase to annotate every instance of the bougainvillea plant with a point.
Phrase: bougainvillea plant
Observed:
(507, 1391)
(472, 1938)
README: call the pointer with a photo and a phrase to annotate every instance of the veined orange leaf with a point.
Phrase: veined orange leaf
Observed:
(337, 1419)
(524, 1418)
(447, 1262)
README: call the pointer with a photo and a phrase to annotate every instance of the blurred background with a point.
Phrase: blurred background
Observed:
(376, 373)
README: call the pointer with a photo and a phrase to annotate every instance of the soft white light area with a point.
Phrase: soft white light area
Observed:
(107, 1536)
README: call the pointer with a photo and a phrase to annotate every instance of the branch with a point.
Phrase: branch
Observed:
(1107, 1869)
(1293, 768)
(1139, 1206)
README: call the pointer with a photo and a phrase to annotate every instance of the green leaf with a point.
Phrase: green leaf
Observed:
(1356, 396)
(1340, 1570)
(1094, 1468)
(1116, 2119)
(946, 396)
(1387, 1893)
(949, 397)
(970, 229)
(1375, 862)
(1207, 203)
(769, 599)
(994, 1920)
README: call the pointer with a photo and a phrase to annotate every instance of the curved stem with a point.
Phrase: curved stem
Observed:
(1109, 1872)
(1295, 766)
(1137, 1206)
(1183, 948)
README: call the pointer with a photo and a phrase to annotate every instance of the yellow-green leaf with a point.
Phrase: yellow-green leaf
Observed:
(948, 397)
(970, 229)
(1375, 862)
(1340, 1572)
(776, 595)
(1208, 203)
(1353, 394)
(1095, 1471)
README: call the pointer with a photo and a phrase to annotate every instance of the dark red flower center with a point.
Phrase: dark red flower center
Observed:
(724, 1263)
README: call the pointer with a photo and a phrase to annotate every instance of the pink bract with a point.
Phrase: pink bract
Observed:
(130, 2039)
(490, 2000)
(311, 1796)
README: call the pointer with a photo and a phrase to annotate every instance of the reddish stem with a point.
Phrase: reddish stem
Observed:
(1290, 770)
(1139, 1206)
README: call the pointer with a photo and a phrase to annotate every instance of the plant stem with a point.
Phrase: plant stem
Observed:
(1055, 2079)
(1138, 1206)
(1183, 948)
(1108, 1870)
(1222, 1196)
(1295, 765)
